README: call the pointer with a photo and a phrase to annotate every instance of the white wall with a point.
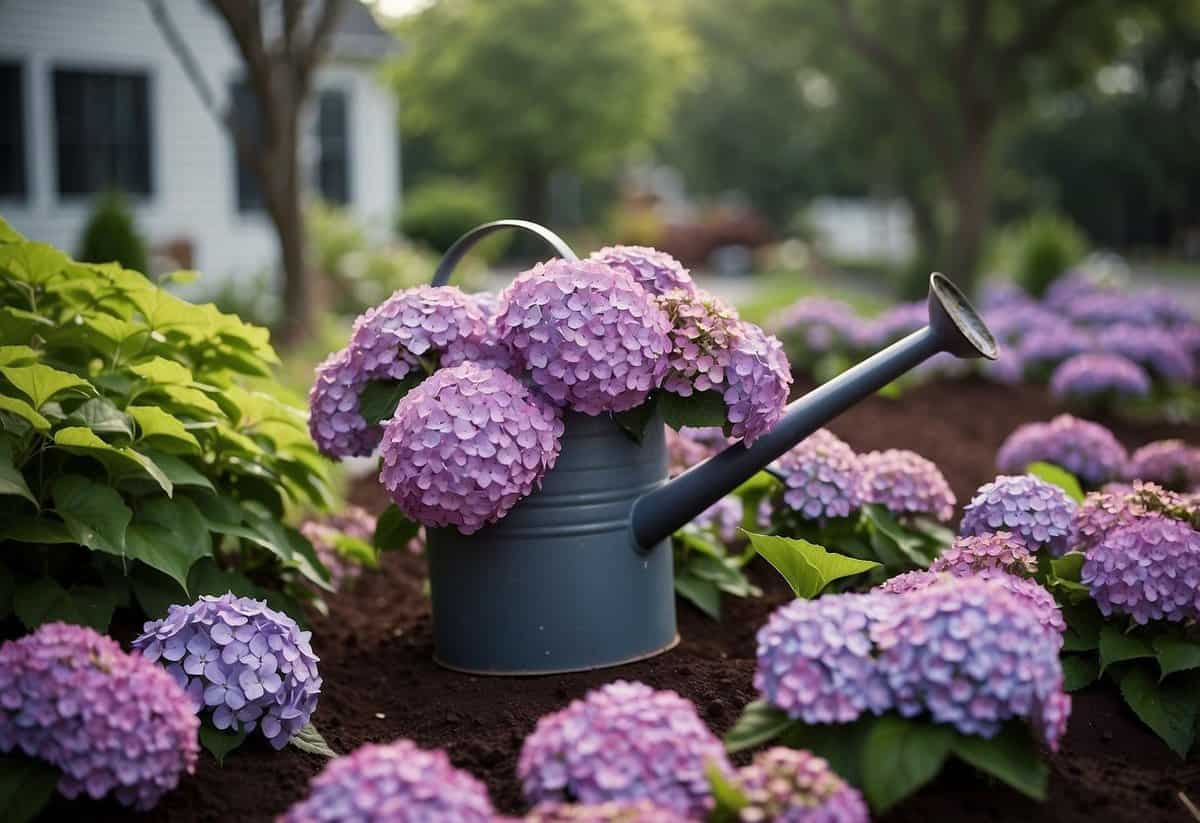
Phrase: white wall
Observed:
(861, 229)
(192, 169)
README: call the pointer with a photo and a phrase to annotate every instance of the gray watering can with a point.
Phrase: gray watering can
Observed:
(579, 574)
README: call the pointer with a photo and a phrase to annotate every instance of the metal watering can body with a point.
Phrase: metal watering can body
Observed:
(579, 575)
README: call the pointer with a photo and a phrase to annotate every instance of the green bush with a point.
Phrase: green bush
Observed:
(111, 235)
(437, 213)
(1041, 249)
(140, 465)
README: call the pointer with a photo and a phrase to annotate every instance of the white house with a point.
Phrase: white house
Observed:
(92, 98)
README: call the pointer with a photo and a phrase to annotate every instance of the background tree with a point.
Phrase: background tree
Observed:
(281, 45)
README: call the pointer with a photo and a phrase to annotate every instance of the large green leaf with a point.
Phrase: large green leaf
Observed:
(18, 325)
(12, 482)
(26, 412)
(885, 529)
(44, 600)
(101, 415)
(705, 408)
(1057, 476)
(220, 742)
(169, 535)
(759, 723)
(1169, 708)
(24, 529)
(378, 400)
(94, 514)
(1079, 670)
(33, 263)
(163, 372)
(163, 431)
(393, 530)
(1117, 646)
(807, 567)
(180, 472)
(119, 460)
(308, 739)
(26, 786)
(1176, 654)
(40, 382)
(900, 756)
(727, 794)
(1084, 622)
(705, 595)
(1011, 756)
(17, 356)
(842, 745)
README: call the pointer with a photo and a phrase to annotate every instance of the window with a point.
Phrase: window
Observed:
(246, 118)
(12, 131)
(102, 120)
(333, 135)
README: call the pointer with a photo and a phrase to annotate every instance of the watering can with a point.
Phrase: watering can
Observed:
(578, 575)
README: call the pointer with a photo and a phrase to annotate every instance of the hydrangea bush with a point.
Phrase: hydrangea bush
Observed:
(1091, 376)
(905, 483)
(792, 786)
(1028, 508)
(343, 543)
(1087, 450)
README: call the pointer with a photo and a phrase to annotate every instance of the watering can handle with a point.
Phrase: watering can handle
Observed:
(464, 244)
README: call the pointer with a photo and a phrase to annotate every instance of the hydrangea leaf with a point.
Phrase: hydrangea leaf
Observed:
(17, 356)
(24, 411)
(23, 529)
(633, 422)
(163, 431)
(177, 470)
(41, 383)
(94, 514)
(1084, 622)
(164, 312)
(169, 535)
(8, 234)
(900, 756)
(1116, 646)
(101, 415)
(1057, 476)
(1079, 670)
(842, 745)
(12, 482)
(1010, 756)
(119, 460)
(43, 600)
(807, 567)
(163, 372)
(703, 594)
(18, 325)
(759, 723)
(1169, 708)
(1176, 654)
(33, 263)
(26, 783)
(706, 408)
(378, 400)
(308, 739)
(220, 742)
(393, 530)
(729, 797)
(884, 528)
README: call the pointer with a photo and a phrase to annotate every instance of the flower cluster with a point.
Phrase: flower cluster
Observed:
(1087, 450)
(1035, 512)
(1051, 343)
(323, 533)
(703, 328)
(248, 664)
(622, 742)
(656, 271)
(818, 325)
(756, 383)
(334, 420)
(112, 722)
(722, 518)
(639, 811)
(794, 786)
(1104, 308)
(590, 336)
(974, 553)
(687, 447)
(1170, 463)
(905, 483)
(393, 783)
(1103, 511)
(896, 322)
(466, 446)
(1097, 374)
(1148, 568)
(1155, 349)
(821, 477)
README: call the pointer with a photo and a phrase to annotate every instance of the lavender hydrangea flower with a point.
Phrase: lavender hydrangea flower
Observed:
(1156, 350)
(974, 553)
(722, 518)
(656, 271)
(334, 420)
(757, 383)
(323, 533)
(1000, 294)
(1069, 289)
(792, 786)
(1095, 374)
(112, 723)
(1116, 505)
(1108, 308)
(821, 476)
(591, 337)
(622, 742)
(1007, 369)
(466, 446)
(899, 321)
(1170, 463)
(1036, 512)
(684, 450)
(1049, 345)
(1165, 306)
(817, 325)
(641, 811)
(392, 783)
(1012, 323)
(1148, 569)
(905, 483)
(250, 665)
(1087, 450)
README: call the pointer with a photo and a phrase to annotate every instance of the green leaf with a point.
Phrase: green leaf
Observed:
(1057, 476)
(378, 400)
(178, 471)
(163, 431)
(1069, 567)
(1176, 654)
(25, 411)
(26, 786)
(220, 743)
(163, 372)
(1116, 646)
(900, 756)
(101, 415)
(12, 482)
(729, 797)
(35, 530)
(355, 549)
(8, 234)
(1083, 627)
(759, 723)
(1169, 708)
(1011, 757)
(308, 739)
(807, 567)
(705, 408)
(883, 525)
(169, 535)
(841, 745)
(43, 600)
(34, 263)
(94, 514)
(1079, 670)
(17, 356)
(703, 594)
(634, 421)
(18, 325)
(393, 530)
(120, 461)
(41, 382)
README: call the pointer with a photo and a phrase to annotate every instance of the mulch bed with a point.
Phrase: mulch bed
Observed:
(381, 682)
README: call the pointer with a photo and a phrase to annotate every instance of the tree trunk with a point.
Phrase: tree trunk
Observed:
(970, 192)
(301, 295)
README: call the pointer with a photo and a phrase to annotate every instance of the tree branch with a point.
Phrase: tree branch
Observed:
(1039, 33)
(319, 39)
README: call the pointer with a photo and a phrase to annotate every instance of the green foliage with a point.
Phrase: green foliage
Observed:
(308, 739)
(111, 235)
(1040, 249)
(136, 450)
(26, 786)
(807, 567)
(220, 742)
(705, 569)
(438, 212)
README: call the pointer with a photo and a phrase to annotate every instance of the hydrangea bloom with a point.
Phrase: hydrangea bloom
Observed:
(1069, 289)
(622, 742)
(656, 271)
(591, 337)
(756, 383)
(722, 518)
(334, 420)
(1036, 512)
(905, 483)
(1108, 308)
(974, 553)
(1094, 374)
(1165, 305)
(1104, 511)
(249, 664)
(1007, 368)
(641, 811)
(466, 446)
(791, 786)
(112, 722)
(684, 450)
(393, 783)
(703, 328)
(1051, 343)
(1156, 350)
(1170, 463)
(323, 533)
(821, 476)
(1087, 450)
(899, 321)
(1148, 568)
(819, 325)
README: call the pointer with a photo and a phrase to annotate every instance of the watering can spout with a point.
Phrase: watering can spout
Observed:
(954, 327)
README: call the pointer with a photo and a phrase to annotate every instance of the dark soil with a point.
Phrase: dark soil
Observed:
(381, 682)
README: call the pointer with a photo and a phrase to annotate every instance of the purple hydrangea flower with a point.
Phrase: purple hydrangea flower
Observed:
(324, 533)
(821, 476)
(974, 553)
(1070, 288)
(1087, 450)
(640, 811)
(723, 518)
(334, 420)
(1049, 344)
(1096, 374)
(656, 271)
(685, 450)
(392, 783)
(817, 325)
(1007, 369)
(466, 446)
(1012, 323)
(1036, 512)
(1165, 305)
(793, 786)
(1001, 294)
(1148, 568)
(1156, 350)
(1108, 308)
(1170, 463)
(756, 383)
(250, 665)
(112, 723)
(1117, 505)
(623, 742)
(905, 483)
(896, 322)
(591, 337)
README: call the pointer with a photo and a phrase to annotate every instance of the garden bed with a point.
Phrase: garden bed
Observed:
(381, 682)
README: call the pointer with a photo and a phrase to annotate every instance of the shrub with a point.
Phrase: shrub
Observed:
(1042, 248)
(136, 455)
(439, 212)
(111, 235)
